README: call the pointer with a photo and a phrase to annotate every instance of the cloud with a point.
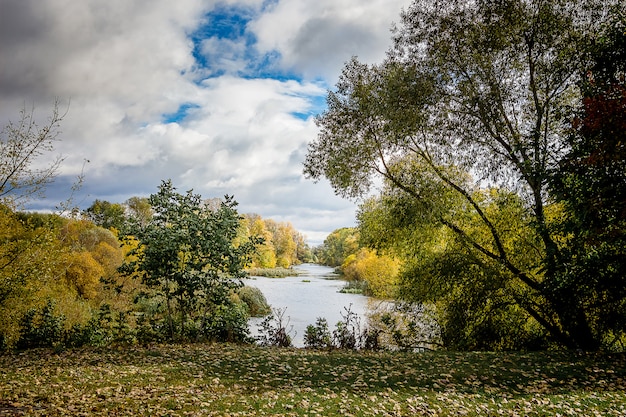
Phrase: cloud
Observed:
(219, 96)
(316, 38)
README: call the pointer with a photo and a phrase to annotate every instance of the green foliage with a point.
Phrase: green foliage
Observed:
(254, 300)
(107, 215)
(476, 302)
(187, 254)
(347, 332)
(590, 184)
(340, 244)
(472, 88)
(42, 328)
(318, 336)
(227, 323)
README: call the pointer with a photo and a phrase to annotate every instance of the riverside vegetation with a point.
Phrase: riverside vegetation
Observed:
(236, 380)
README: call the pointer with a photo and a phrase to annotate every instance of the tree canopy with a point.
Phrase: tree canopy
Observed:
(472, 96)
(187, 253)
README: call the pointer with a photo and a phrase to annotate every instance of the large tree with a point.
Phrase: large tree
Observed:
(472, 87)
(590, 183)
(187, 253)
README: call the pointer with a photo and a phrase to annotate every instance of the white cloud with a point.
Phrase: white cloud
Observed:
(316, 37)
(126, 64)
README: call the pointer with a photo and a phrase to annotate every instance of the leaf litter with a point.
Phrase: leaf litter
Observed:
(232, 380)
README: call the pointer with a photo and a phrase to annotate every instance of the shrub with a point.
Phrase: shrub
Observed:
(273, 330)
(347, 332)
(255, 301)
(41, 328)
(318, 336)
(227, 323)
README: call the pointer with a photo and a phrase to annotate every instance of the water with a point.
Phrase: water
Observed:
(306, 301)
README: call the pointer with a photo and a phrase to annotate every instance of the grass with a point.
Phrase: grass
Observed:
(273, 272)
(354, 287)
(221, 380)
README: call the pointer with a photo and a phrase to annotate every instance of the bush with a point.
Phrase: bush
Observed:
(42, 328)
(318, 336)
(227, 323)
(255, 301)
(347, 332)
(273, 330)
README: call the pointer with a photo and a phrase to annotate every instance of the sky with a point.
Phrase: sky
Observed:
(218, 96)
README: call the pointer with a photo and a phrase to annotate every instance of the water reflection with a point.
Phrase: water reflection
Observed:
(313, 294)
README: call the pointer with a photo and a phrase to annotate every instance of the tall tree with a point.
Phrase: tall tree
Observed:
(187, 252)
(590, 182)
(479, 87)
(106, 214)
(337, 246)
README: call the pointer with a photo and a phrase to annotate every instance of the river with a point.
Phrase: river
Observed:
(312, 294)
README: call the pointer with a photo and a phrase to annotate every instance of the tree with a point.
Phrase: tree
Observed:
(265, 254)
(379, 271)
(140, 210)
(337, 246)
(474, 301)
(186, 253)
(476, 87)
(106, 214)
(92, 257)
(21, 144)
(283, 242)
(590, 183)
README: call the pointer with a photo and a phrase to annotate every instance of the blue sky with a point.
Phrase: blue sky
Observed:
(218, 96)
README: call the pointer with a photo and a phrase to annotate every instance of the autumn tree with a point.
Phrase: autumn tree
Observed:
(106, 214)
(264, 255)
(481, 88)
(379, 271)
(139, 210)
(28, 247)
(337, 246)
(283, 242)
(92, 257)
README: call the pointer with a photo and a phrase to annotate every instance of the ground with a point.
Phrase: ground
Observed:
(231, 380)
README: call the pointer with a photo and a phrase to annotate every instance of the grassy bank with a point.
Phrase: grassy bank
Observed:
(273, 272)
(244, 380)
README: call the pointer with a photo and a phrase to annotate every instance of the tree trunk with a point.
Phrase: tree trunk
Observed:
(576, 331)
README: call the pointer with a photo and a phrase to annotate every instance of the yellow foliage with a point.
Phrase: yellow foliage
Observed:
(379, 271)
(83, 273)
(109, 257)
